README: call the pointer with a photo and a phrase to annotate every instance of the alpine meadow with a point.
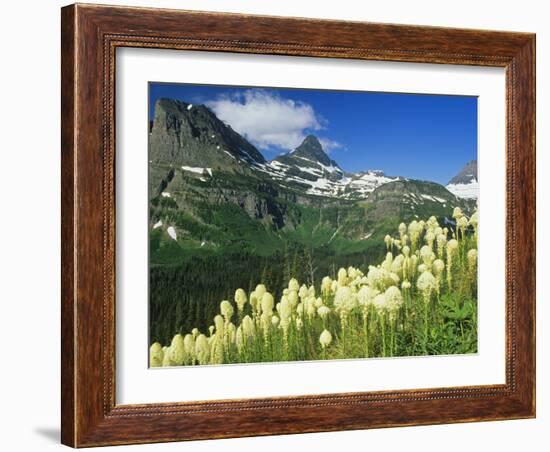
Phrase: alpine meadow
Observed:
(294, 225)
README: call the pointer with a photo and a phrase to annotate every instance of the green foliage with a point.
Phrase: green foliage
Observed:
(410, 304)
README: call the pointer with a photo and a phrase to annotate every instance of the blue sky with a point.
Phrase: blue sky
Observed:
(428, 137)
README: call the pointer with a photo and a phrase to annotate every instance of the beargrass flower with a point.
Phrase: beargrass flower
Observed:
(366, 296)
(216, 350)
(326, 284)
(426, 283)
(374, 276)
(334, 286)
(219, 324)
(177, 350)
(397, 264)
(441, 242)
(394, 300)
(402, 230)
(156, 355)
(452, 246)
(427, 255)
(472, 258)
(342, 277)
(389, 242)
(325, 338)
(323, 312)
(293, 298)
(379, 303)
(189, 345)
(202, 349)
(230, 332)
(260, 290)
(293, 285)
(226, 310)
(285, 310)
(386, 265)
(438, 266)
(166, 359)
(240, 299)
(430, 237)
(239, 338)
(254, 301)
(415, 228)
(345, 299)
(457, 213)
(432, 222)
(310, 306)
(267, 304)
(248, 326)
(462, 224)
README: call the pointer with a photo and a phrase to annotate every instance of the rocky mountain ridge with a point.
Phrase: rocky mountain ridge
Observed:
(193, 139)
(214, 189)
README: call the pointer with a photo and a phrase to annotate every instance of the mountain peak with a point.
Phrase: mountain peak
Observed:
(467, 174)
(311, 149)
(312, 140)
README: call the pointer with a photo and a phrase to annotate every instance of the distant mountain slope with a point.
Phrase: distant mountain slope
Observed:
(311, 168)
(465, 184)
(409, 199)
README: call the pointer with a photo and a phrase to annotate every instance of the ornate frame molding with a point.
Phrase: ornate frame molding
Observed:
(90, 37)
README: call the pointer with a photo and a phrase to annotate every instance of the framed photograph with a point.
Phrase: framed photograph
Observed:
(282, 225)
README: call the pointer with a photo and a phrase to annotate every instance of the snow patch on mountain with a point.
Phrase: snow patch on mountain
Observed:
(465, 184)
(330, 180)
(197, 170)
(361, 184)
(469, 190)
(172, 232)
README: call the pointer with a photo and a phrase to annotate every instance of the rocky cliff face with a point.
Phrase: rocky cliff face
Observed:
(186, 134)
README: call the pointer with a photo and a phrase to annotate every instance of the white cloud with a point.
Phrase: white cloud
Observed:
(268, 120)
(330, 145)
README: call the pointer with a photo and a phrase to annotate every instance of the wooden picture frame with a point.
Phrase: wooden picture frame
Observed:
(90, 36)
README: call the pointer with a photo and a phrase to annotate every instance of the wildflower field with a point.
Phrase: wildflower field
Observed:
(420, 300)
